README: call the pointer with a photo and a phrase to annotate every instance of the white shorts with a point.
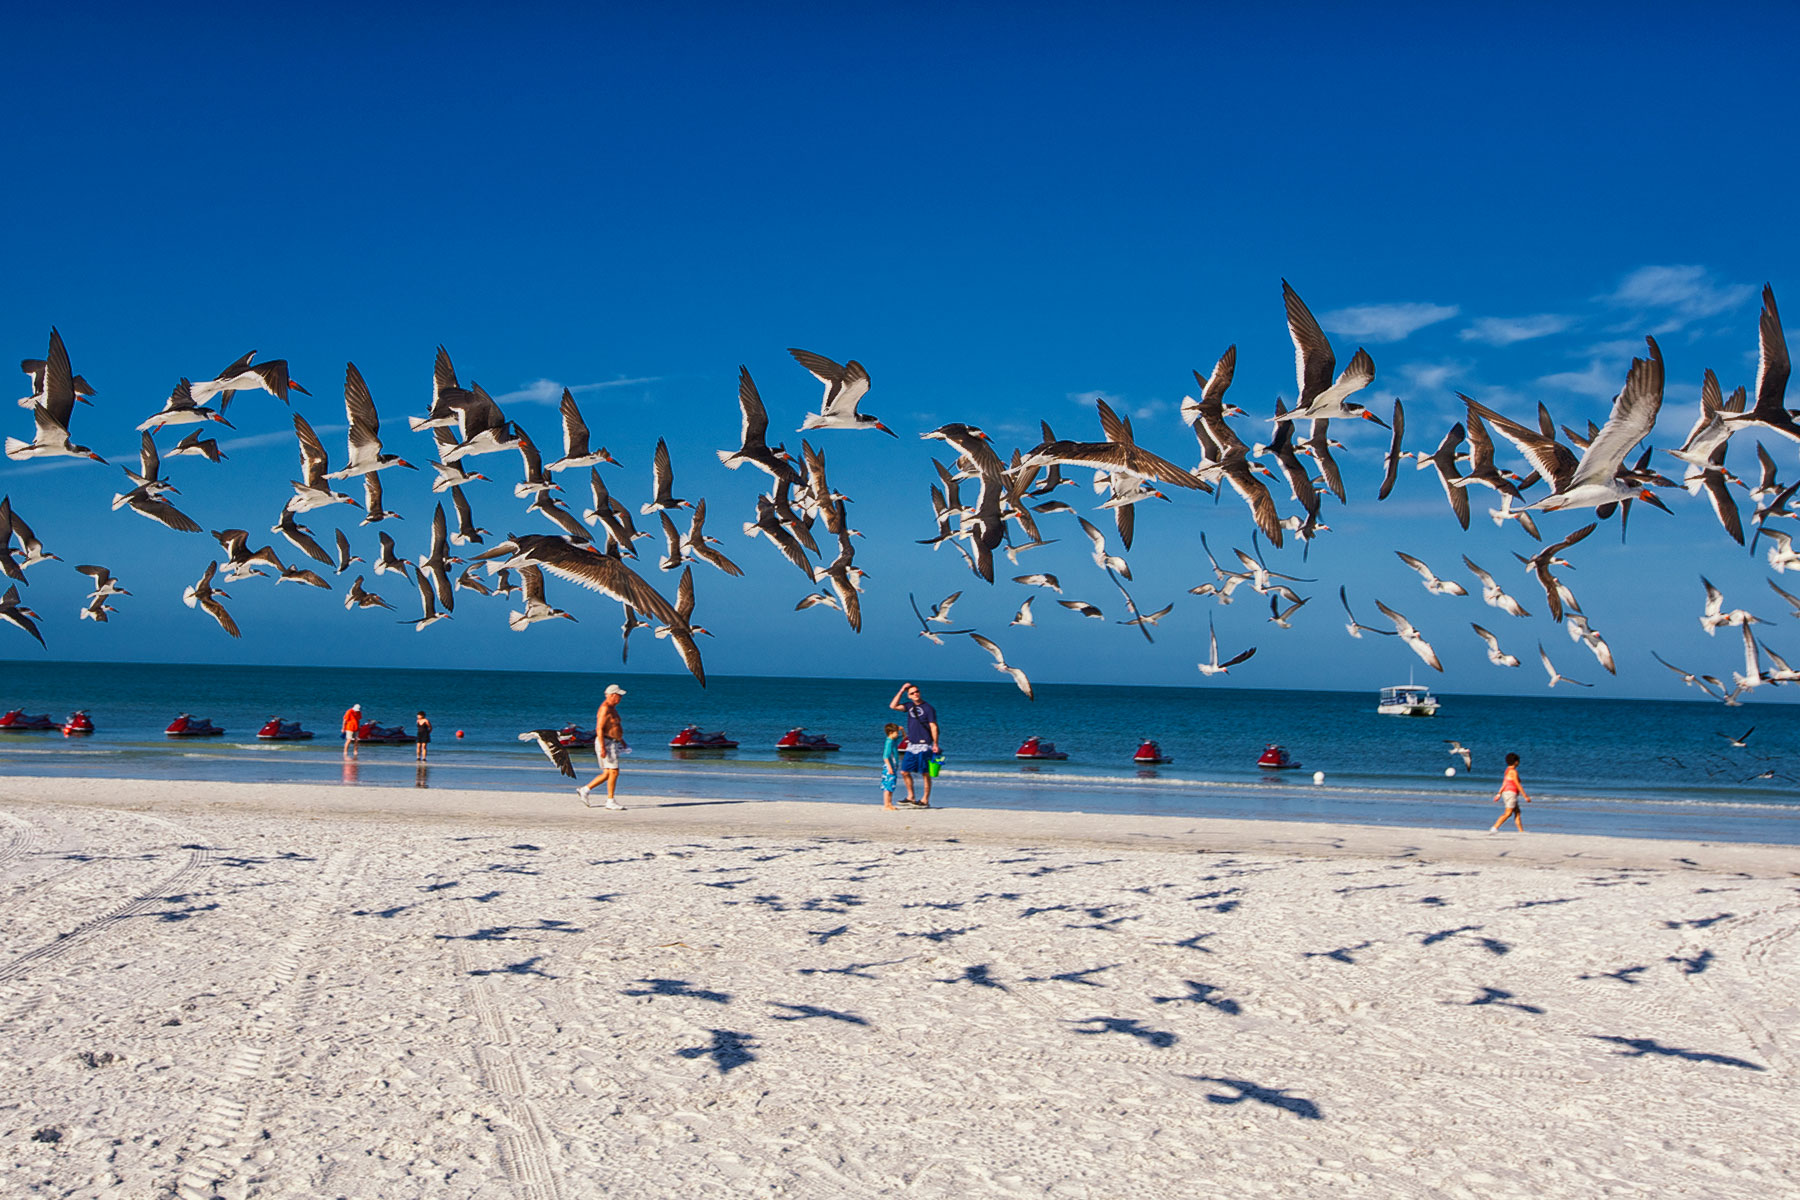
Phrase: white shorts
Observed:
(607, 751)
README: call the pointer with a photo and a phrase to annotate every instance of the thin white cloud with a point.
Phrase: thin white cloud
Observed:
(251, 441)
(1601, 378)
(1430, 377)
(1386, 322)
(1504, 331)
(549, 391)
(1687, 293)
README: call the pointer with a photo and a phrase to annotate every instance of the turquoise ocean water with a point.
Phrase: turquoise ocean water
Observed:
(1630, 767)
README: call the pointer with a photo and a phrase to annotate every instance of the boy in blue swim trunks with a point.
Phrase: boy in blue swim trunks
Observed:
(921, 740)
(890, 765)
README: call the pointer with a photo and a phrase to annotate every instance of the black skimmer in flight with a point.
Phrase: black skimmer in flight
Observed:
(469, 582)
(1741, 740)
(1556, 676)
(1581, 631)
(582, 564)
(1040, 580)
(1390, 464)
(984, 521)
(428, 607)
(205, 596)
(682, 629)
(484, 428)
(271, 377)
(104, 583)
(15, 613)
(1497, 656)
(559, 516)
(435, 565)
(782, 535)
(1458, 750)
(240, 560)
(1598, 479)
(1002, 666)
(1119, 455)
(536, 607)
(1213, 666)
(52, 408)
(1772, 369)
(467, 532)
(548, 740)
(753, 434)
(390, 560)
(576, 454)
(38, 371)
(699, 546)
(1023, 616)
(845, 386)
(1356, 628)
(1492, 594)
(377, 511)
(193, 443)
(1706, 683)
(1715, 614)
(1322, 396)
(31, 551)
(365, 455)
(359, 597)
(180, 409)
(925, 629)
(537, 481)
(614, 517)
(301, 538)
(299, 574)
(1540, 563)
(1414, 640)
(1084, 608)
(344, 557)
(1434, 585)
(662, 475)
(313, 488)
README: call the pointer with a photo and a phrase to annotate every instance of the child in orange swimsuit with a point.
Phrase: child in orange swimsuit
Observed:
(1512, 793)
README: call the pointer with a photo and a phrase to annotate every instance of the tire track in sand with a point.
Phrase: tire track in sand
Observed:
(224, 1148)
(527, 1151)
(198, 863)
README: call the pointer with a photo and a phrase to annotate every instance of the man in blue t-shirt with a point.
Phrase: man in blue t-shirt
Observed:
(921, 740)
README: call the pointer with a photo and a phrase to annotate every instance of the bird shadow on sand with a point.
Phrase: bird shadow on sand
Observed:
(1162, 1039)
(1201, 993)
(1301, 1107)
(676, 987)
(728, 1049)
(1641, 1047)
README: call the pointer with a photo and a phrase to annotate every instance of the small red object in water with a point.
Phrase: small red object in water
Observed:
(1150, 752)
(800, 740)
(1275, 758)
(1036, 747)
(459, 733)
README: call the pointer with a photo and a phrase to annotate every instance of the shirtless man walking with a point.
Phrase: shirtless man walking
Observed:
(609, 743)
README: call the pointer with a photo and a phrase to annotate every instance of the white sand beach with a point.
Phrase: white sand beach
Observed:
(233, 990)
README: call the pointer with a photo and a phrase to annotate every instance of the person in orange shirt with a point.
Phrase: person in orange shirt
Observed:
(352, 723)
(1512, 794)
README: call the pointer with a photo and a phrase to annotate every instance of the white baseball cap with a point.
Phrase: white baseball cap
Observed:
(613, 689)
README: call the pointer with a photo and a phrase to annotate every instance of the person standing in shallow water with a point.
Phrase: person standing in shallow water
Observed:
(890, 765)
(1512, 794)
(609, 743)
(921, 740)
(352, 725)
(422, 743)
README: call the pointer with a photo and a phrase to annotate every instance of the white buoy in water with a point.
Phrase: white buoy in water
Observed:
(1449, 772)
(1318, 777)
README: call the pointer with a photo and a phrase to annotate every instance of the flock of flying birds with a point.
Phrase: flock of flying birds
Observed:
(982, 503)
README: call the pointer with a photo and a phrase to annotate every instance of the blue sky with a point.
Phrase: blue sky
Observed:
(1001, 213)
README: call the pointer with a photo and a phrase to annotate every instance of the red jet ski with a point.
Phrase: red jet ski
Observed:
(385, 735)
(278, 730)
(186, 726)
(1036, 747)
(1275, 758)
(798, 740)
(1150, 753)
(78, 724)
(18, 722)
(692, 739)
(574, 735)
